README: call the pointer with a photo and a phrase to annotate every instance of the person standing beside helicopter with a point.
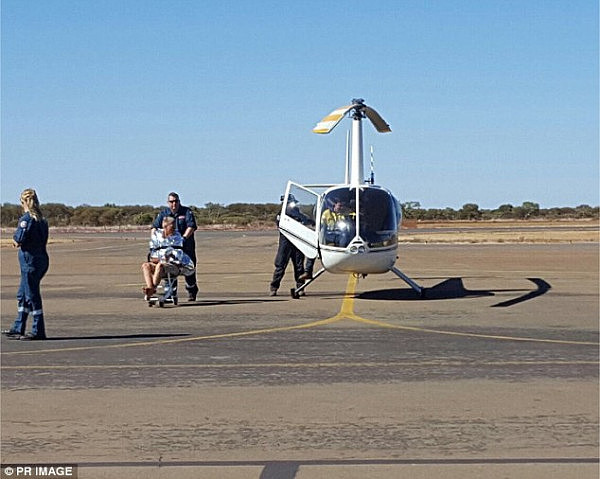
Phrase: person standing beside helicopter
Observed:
(286, 251)
(31, 237)
(185, 223)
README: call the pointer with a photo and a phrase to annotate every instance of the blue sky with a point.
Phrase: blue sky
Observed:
(122, 101)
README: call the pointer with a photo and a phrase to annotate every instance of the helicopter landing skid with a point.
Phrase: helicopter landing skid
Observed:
(418, 289)
(295, 292)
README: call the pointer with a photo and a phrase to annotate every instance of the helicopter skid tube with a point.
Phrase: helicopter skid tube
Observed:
(418, 289)
(295, 292)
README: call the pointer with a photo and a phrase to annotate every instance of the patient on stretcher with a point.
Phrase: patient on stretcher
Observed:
(166, 257)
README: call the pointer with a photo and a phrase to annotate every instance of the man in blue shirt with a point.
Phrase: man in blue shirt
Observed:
(185, 223)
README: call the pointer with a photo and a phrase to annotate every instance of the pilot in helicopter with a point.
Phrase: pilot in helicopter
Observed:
(338, 223)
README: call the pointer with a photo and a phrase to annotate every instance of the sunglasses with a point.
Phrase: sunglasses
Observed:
(173, 201)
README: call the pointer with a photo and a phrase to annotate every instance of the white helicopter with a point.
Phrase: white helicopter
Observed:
(352, 227)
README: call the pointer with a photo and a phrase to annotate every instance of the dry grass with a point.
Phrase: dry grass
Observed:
(574, 231)
(553, 236)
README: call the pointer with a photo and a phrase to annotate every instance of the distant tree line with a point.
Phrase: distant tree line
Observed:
(57, 214)
(244, 214)
(471, 211)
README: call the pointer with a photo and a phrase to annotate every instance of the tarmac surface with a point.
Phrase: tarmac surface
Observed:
(493, 374)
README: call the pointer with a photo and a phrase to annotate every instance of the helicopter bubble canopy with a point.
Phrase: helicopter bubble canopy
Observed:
(375, 225)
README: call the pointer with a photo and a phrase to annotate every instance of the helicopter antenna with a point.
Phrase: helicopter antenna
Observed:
(372, 178)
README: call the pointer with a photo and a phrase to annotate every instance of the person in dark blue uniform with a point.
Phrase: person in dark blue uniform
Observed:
(287, 251)
(185, 223)
(31, 238)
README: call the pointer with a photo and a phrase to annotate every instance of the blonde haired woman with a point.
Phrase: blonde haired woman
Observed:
(31, 238)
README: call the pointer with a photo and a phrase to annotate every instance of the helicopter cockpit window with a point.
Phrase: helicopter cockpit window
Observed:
(338, 217)
(302, 206)
(378, 218)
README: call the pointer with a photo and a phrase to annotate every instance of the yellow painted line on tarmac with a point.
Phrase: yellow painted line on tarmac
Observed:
(472, 335)
(346, 312)
(181, 340)
(334, 365)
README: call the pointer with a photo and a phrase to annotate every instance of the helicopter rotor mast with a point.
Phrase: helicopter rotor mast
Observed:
(356, 163)
(357, 111)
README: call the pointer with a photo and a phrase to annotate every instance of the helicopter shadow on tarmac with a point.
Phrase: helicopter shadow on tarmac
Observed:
(453, 288)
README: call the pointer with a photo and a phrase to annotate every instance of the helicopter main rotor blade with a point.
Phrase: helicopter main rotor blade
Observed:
(379, 123)
(330, 121)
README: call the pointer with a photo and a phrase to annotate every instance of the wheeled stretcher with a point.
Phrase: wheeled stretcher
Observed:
(168, 294)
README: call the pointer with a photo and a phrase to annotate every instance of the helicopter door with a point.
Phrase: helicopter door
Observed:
(298, 218)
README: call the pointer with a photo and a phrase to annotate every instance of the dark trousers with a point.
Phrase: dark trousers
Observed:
(29, 297)
(310, 265)
(190, 281)
(285, 252)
